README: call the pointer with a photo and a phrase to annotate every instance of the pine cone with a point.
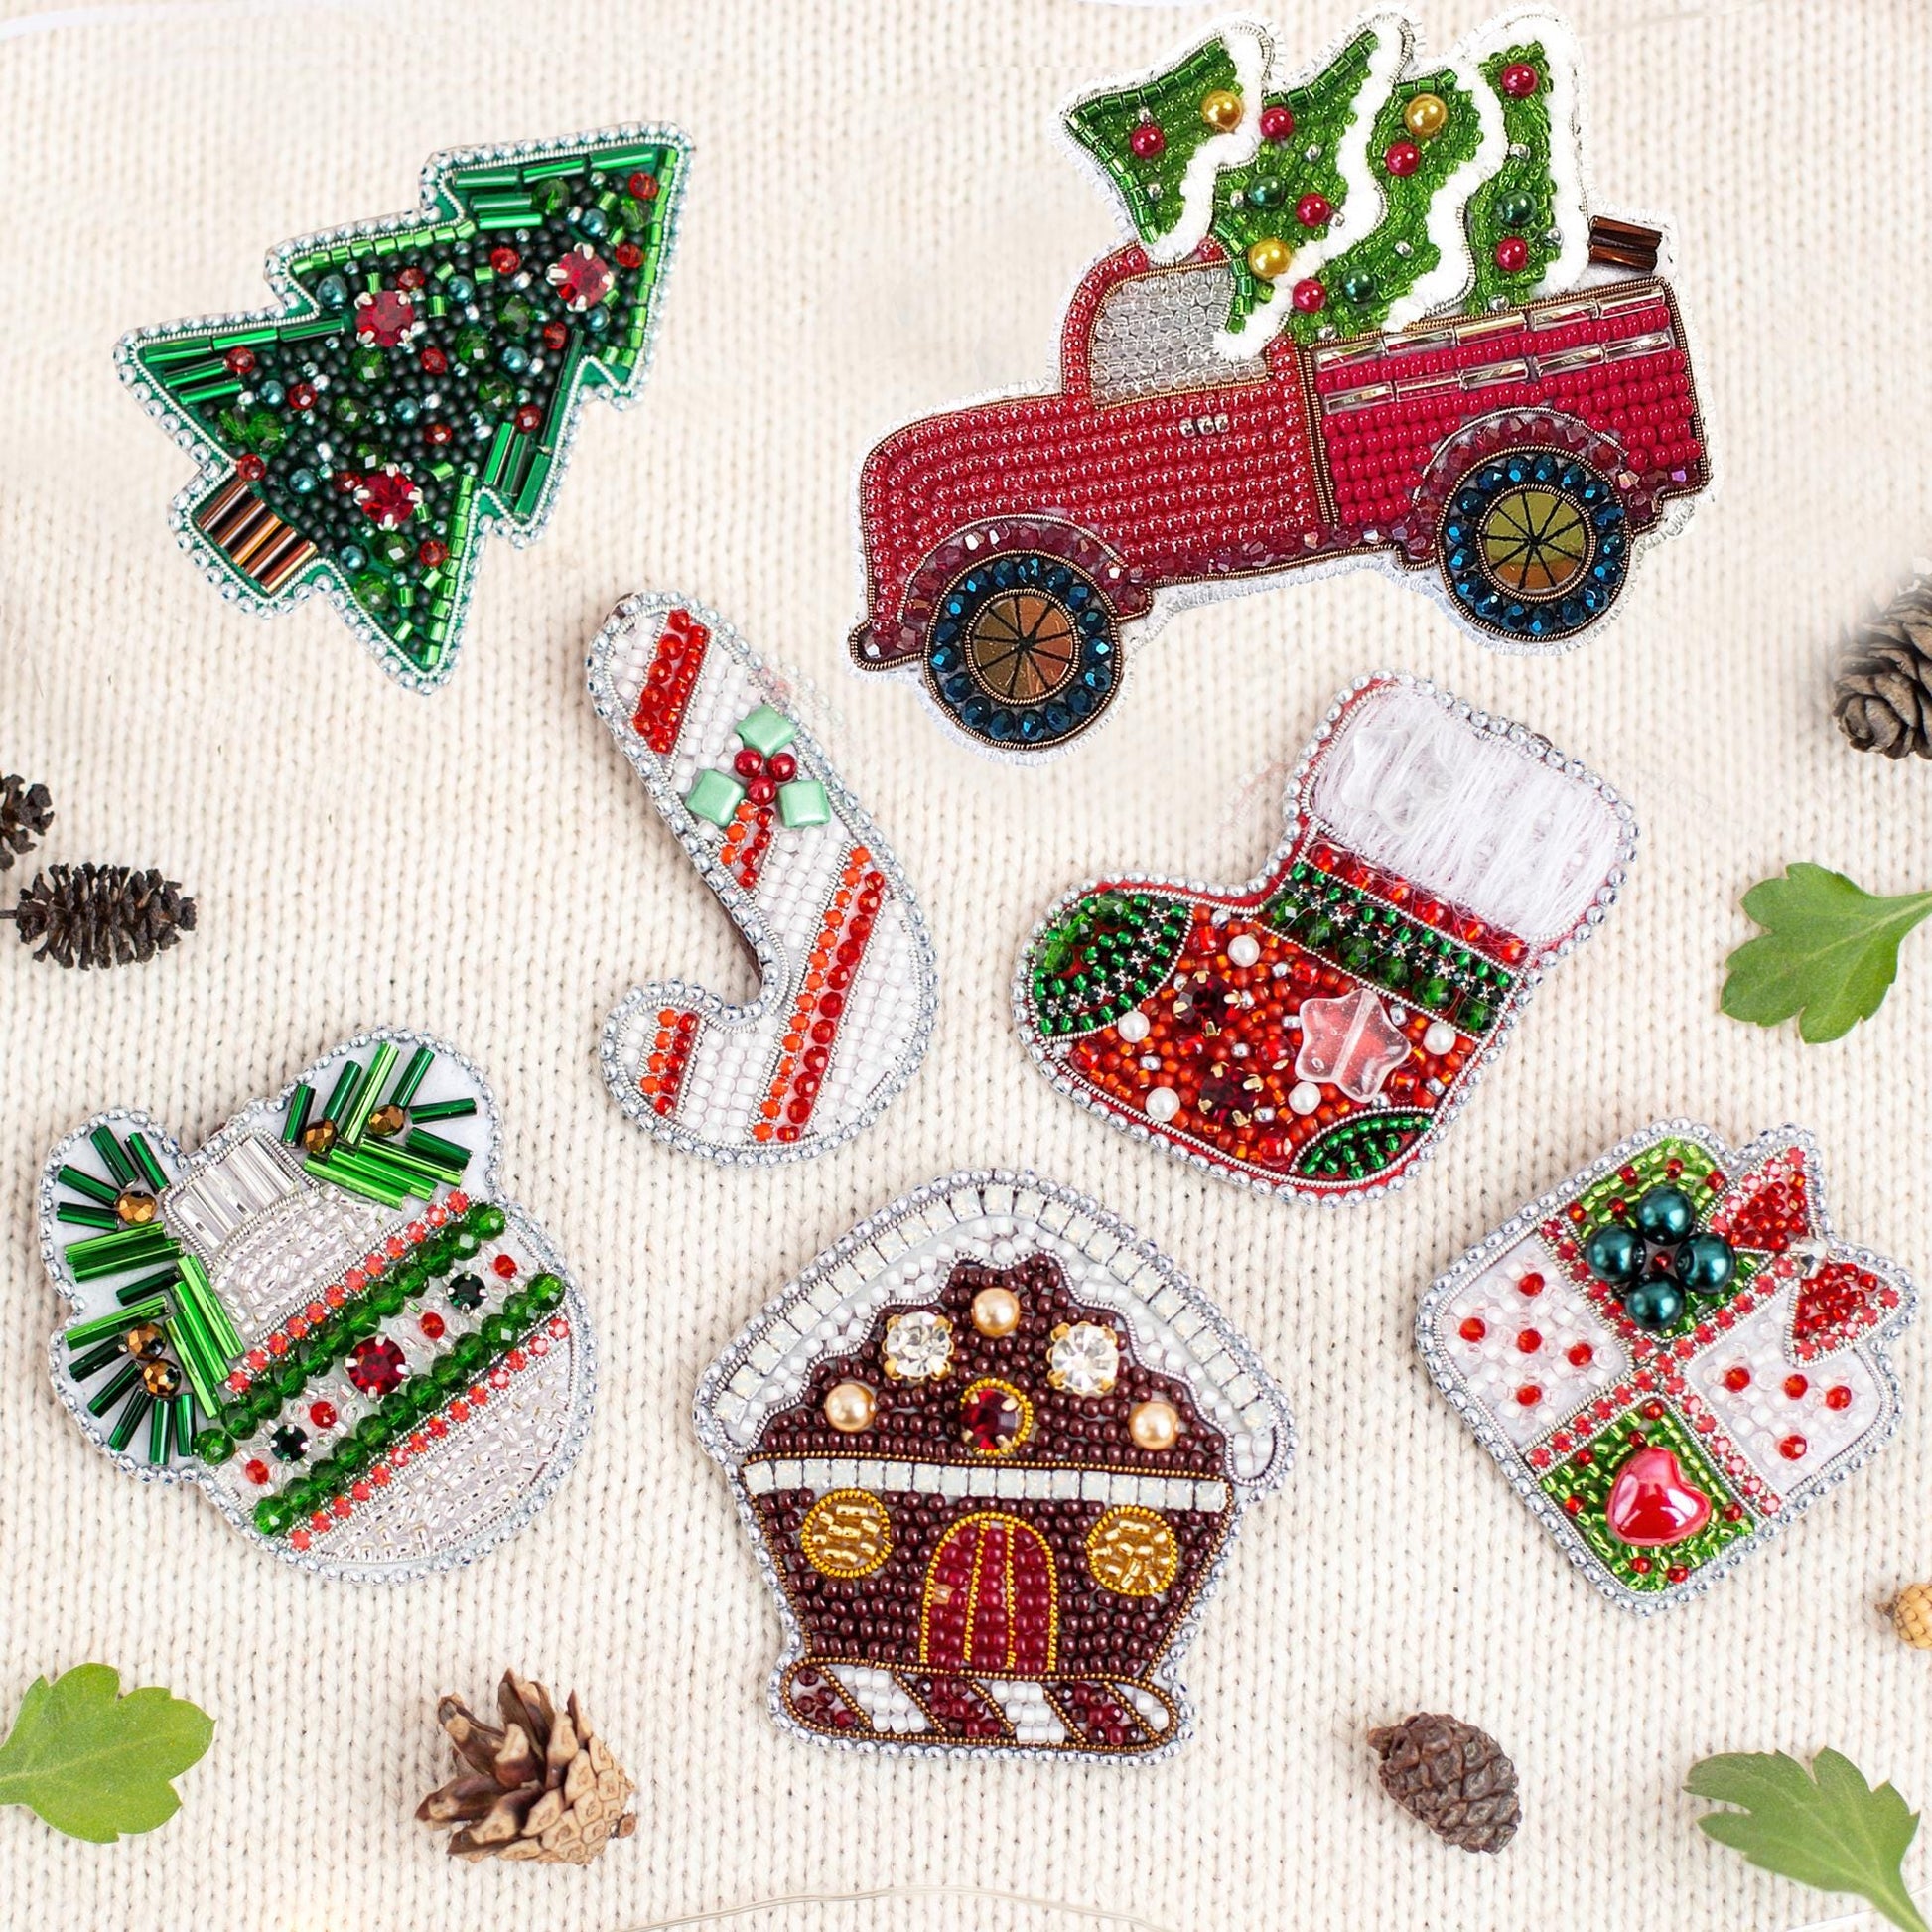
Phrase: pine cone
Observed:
(541, 1787)
(26, 811)
(1882, 696)
(1454, 1778)
(101, 916)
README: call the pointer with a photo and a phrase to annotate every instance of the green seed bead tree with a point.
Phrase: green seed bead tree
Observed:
(417, 382)
(1365, 193)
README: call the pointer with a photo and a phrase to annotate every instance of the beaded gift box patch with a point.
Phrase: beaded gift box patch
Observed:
(1671, 1355)
(847, 987)
(416, 383)
(324, 1316)
(992, 1449)
(1313, 1032)
(1368, 315)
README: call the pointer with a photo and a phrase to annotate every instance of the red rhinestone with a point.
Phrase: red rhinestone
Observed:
(429, 553)
(1738, 1378)
(375, 1365)
(386, 316)
(1676, 1574)
(411, 278)
(1529, 1395)
(1581, 1355)
(643, 187)
(1795, 1387)
(1474, 1328)
(1531, 1284)
(434, 362)
(505, 259)
(1837, 1398)
(1641, 1565)
(323, 1415)
(504, 1265)
(255, 1469)
(581, 278)
(1573, 1505)
(431, 1324)
(1529, 1342)
(387, 497)
(250, 468)
(1793, 1449)
(990, 1419)
(528, 419)
(241, 360)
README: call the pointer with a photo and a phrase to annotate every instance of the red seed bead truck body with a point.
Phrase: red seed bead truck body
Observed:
(1515, 455)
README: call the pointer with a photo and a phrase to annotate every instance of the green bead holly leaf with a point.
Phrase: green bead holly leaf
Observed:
(95, 1763)
(1829, 951)
(1826, 1828)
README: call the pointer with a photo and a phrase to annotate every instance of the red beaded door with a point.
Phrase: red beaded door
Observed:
(989, 1598)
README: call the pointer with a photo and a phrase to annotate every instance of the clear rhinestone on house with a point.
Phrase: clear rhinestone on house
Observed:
(918, 1346)
(1085, 1360)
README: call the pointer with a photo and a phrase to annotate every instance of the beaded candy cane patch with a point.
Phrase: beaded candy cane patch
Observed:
(993, 1448)
(415, 383)
(324, 1316)
(1313, 1031)
(1671, 1355)
(1366, 315)
(848, 988)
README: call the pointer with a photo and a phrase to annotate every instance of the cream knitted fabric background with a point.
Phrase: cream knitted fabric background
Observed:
(880, 221)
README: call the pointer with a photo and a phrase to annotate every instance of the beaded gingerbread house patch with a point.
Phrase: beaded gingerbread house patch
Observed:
(848, 988)
(326, 1318)
(1367, 316)
(1313, 1031)
(1672, 1355)
(992, 1449)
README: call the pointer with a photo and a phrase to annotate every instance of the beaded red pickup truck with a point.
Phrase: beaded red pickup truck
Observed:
(1521, 453)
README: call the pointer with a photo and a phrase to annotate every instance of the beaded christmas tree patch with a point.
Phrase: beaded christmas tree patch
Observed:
(992, 1449)
(1313, 1031)
(1671, 1355)
(1366, 315)
(325, 1317)
(848, 989)
(416, 383)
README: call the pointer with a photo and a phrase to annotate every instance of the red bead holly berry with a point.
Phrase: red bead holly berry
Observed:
(1309, 296)
(1147, 141)
(1277, 123)
(1512, 254)
(1519, 80)
(1402, 158)
(1312, 210)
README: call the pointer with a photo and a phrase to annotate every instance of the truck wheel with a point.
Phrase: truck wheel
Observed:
(1024, 651)
(1534, 544)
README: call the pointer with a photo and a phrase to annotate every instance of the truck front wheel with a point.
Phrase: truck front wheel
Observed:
(1024, 651)
(1534, 544)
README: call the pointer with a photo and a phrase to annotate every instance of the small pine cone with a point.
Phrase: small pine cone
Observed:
(537, 1787)
(1911, 1615)
(1883, 695)
(101, 916)
(26, 811)
(1454, 1778)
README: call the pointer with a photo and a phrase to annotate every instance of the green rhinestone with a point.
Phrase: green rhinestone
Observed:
(352, 1456)
(348, 411)
(273, 1515)
(388, 1295)
(288, 1379)
(469, 1353)
(516, 315)
(447, 1373)
(488, 1220)
(496, 393)
(471, 344)
(375, 1432)
(394, 548)
(414, 1280)
(215, 1447)
(498, 1332)
(1433, 992)
(517, 1307)
(464, 1243)
(368, 365)
(546, 1293)
(373, 594)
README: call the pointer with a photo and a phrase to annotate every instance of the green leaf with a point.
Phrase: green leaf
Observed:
(1827, 1829)
(93, 1763)
(1828, 952)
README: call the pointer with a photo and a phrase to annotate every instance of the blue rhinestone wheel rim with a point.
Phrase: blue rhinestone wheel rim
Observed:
(957, 660)
(1591, 507)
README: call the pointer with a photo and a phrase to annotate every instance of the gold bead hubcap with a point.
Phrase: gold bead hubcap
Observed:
(1535, 541)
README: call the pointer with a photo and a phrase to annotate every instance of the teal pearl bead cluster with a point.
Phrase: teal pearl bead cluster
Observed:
(1659, 1258)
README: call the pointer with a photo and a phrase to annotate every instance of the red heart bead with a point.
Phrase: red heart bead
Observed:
(1652, 1504)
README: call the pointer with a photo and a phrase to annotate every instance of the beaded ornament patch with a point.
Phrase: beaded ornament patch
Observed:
(1671, 1355)
(416, 383)
(326, 1318)
(1368, 315)
(993, 1448)
(848, 988)
(1313, 1031)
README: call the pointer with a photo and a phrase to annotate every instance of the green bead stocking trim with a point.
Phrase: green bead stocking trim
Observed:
(1105, 956)
(1360, 1149)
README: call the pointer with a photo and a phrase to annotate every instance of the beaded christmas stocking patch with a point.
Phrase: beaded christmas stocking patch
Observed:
(326, 1318)
(1671, 1355)
(848, 988)
(992, 1449)
(1366, 315)
(415, 382)
(1313, 1032)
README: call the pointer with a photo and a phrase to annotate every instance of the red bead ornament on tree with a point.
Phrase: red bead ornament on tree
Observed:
(847, 987)
(1691, 1287)
(1405, 370)
(993, 1450)
(303, 1313)
(1313, 1032)
(363, 315)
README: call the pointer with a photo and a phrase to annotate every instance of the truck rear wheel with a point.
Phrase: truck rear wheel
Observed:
(1024, 651)
(1534, 544)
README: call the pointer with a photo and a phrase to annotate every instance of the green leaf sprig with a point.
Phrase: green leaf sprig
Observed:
(1829, 951)
(95, 1763)
(1826, 1826)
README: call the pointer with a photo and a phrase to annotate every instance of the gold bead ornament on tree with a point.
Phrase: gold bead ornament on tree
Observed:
(1911, 1615)
(1269, 258)
(1221, 110)
(1425, 116)
(1881, 696)
(1454, 1778)
(540, 1787)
